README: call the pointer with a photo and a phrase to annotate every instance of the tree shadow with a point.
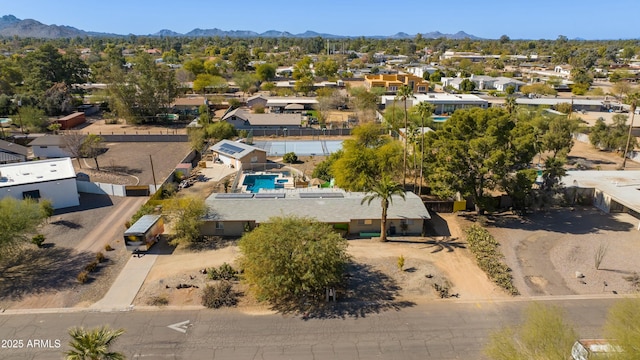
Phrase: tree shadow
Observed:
(67, 224)
(365, 291)
(121, 169)
(446, 243)
(212, 243)
(561, 220)
(33, 271)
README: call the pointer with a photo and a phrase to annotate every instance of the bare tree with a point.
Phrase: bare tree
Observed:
(73, 141)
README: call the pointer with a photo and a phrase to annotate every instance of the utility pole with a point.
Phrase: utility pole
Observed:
(153, 173)
(626, 148)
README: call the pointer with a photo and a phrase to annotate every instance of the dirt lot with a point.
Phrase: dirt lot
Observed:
(545, 250)
(128, 163)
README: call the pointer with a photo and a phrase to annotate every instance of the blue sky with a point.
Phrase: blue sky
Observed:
(532, 19)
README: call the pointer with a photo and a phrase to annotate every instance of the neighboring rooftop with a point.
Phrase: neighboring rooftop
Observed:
(235, 150)
(36, 171)
(622, 186)
(325, 205)
(48, 140)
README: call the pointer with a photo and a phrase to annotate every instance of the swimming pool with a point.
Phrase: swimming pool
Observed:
(439, 118)
(256, 182)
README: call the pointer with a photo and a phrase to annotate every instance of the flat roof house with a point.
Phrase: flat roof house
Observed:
(242, 119)
(231, 214)
(444, 103)
(238, 155)
(53, 179)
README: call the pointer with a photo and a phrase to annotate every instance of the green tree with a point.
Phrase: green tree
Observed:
(19, 219)
(92, 146)
(405, 93)
(290, 158)
(58, 99)
(424, 110)
(474, 150)
(323, 169)
(384, 190)
(186, 216)
(93, 344)
(240, 59)
(544, 334)
(538, 89)
(213, 83)
(326, 68)
(622, 327)
(32, 119)
(195, 66)
(368, 155)
(220, 131)
(436, 76)
(291, 260)
(266, 72)
(467, 85)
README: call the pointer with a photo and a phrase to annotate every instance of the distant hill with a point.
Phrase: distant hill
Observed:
(11, 26)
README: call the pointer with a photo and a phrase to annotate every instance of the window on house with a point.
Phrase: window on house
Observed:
(365, 222)
(33, 194)
(393, 88)
(219, 226)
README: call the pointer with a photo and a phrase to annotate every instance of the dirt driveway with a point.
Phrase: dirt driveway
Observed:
(545, 250)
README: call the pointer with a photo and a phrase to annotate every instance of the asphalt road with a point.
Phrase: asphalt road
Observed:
(438, 330)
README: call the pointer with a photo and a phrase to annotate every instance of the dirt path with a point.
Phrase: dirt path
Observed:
(460, 268)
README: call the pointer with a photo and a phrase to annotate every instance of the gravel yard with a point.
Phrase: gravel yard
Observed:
(545, 250)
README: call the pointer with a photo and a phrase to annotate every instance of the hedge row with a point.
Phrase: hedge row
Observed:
(485, 248)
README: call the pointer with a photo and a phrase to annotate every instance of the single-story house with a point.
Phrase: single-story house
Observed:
(256, 100)
(610, 191)
(444, 103)
(578, 104)
(238, 155)
(49, 146)
(12, 153)
(278, 104)
(242, 119)
(232, 214)
(189, 105)
(53, 179)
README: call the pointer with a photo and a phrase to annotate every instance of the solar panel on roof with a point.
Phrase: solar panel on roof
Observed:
(230, 149)
(269, 195)
(234, 196)
(321, 195)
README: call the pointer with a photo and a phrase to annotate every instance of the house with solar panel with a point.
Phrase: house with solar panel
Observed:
(231, 214)
(238, 155)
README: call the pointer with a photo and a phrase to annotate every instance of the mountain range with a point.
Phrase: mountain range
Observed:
(11, 26)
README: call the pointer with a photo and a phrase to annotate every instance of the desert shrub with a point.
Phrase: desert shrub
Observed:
(100, 257)
(400, 262)
(108, 248)
(219, 295)
(634, 280)
(83, 276)
(290, 158)
(485, 249)
(159, 300)
(38, 240)
(92, 266)
(224, 272)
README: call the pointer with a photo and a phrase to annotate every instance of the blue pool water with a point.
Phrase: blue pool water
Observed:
(256, 182)
(439, 118)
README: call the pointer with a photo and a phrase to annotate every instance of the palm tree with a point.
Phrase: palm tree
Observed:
(425, 110)
(93, 344)
(633, 101)
(403, 94)
(384, 190)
